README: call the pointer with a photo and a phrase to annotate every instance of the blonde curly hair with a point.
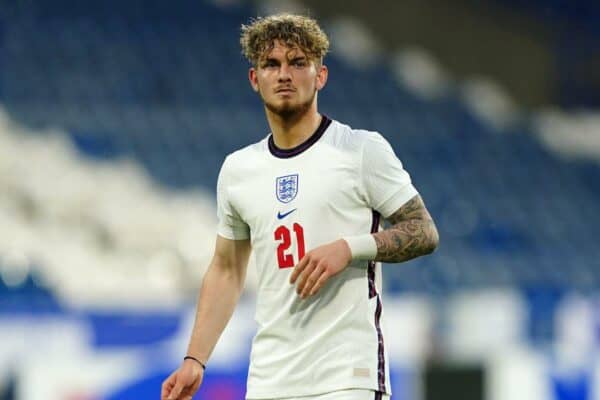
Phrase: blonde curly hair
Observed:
(258, 37)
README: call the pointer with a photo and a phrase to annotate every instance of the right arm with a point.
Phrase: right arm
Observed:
(221, 288)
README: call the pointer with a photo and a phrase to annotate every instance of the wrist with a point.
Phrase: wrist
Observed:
(195, 360)
(362, 247)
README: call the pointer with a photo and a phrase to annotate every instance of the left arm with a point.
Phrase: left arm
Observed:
(412, 234)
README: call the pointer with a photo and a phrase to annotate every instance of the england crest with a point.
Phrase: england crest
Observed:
(286, 188)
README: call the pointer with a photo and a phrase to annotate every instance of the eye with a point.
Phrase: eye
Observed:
(300, 63)
(269, 64)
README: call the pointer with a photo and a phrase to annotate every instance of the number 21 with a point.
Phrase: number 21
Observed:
(283, 234)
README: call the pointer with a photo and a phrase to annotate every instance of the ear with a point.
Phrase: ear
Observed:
(253, 79)
(322, 74)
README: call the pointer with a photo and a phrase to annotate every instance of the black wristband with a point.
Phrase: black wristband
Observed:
(195, 359)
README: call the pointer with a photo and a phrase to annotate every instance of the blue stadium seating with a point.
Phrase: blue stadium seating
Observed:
(165, 82)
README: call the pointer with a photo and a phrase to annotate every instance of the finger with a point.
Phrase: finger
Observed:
(187, 393)
(299, 268)
(167, 386)
(308, 270)
(166, 389)
(320, 282)
(175, 392)
(312, 280)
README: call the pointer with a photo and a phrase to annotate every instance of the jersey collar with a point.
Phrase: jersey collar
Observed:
(294, 151)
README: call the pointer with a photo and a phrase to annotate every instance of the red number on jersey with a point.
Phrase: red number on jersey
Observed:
(285, 260)
(283, 234)
(299, 231)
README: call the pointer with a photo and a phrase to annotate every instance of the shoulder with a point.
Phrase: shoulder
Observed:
(345, 136)
(239, 160)
(370, 148)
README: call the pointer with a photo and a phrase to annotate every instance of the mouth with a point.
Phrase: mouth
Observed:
(285, 91)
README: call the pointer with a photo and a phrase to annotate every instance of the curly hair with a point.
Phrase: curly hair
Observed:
(300, 31)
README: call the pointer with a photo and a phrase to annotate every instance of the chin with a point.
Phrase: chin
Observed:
(288, 109)
(284, 110)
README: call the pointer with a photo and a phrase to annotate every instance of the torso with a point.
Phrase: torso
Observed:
(292, 205)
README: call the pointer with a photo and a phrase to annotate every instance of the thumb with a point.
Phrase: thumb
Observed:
(176, 391)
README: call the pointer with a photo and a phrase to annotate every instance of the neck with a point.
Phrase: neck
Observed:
(290, 132)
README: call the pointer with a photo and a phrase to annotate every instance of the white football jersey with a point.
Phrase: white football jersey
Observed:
(287, 202)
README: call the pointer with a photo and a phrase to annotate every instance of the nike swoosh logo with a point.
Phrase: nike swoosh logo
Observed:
(282, 216)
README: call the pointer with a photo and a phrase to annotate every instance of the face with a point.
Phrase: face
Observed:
(287, 80)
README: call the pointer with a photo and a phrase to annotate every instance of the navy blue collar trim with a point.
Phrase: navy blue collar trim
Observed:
(294, 151)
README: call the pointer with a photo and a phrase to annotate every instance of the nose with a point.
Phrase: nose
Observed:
(284, 73)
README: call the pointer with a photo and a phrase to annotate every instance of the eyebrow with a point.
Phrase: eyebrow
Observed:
(269, 59)
(275, 60)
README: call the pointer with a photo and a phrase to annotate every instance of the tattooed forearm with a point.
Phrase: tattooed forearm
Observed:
(412, 234)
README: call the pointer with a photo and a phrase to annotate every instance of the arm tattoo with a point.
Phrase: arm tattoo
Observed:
(412, 233)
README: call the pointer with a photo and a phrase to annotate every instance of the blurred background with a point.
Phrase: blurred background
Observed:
(116, 115)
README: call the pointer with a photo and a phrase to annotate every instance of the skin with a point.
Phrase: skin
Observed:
(412, 233)
(221, 289)
(288, 83)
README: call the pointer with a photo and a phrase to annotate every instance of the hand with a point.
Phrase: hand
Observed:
(318, 265)
(183, 383)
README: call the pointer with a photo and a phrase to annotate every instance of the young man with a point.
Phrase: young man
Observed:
(307, 200)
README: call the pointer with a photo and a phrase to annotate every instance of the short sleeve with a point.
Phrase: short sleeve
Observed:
(230, 225)
(387, 185)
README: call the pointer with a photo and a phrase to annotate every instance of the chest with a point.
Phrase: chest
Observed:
(307, 189)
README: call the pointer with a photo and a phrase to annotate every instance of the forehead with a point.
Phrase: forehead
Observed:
(281, 50)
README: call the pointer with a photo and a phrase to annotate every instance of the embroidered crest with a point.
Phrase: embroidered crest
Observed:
(286, 188)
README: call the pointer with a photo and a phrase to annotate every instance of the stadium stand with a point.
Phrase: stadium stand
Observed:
(114, 120)
(166, 86)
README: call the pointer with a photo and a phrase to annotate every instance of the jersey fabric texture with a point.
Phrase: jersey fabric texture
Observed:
(287, 202)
